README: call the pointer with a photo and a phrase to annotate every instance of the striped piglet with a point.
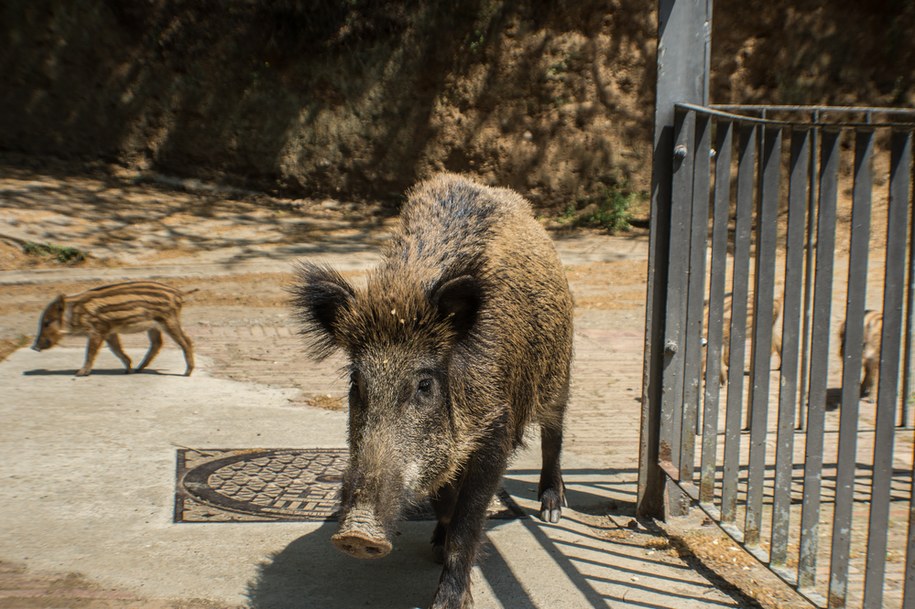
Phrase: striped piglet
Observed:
(870, 355)
(106, 311)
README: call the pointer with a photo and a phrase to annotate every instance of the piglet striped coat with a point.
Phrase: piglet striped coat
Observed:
(121, 308)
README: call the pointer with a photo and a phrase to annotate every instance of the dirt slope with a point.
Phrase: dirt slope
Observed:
(359, 99)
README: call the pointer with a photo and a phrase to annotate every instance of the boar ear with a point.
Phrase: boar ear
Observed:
(459, 300)
(320, 294)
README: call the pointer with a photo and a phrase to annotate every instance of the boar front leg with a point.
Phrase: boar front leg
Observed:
(92, 347)
(551, 489)
(479, 484)
(443, 503)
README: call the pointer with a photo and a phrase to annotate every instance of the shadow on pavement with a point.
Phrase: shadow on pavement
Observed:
(310, 573)
(95, 372)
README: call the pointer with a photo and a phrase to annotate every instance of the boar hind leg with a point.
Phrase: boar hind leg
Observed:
(870, 374)
(92, 347)
(173, 329)
(155, 343)
(551, 490)
(114, 343)
(443, 503)
(479, 484)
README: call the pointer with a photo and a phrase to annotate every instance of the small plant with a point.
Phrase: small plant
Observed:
(475, 41)
(567, 216)
(61, 253)
(609, 209)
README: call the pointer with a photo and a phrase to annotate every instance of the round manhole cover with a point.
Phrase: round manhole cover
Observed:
(271, 484)
(230, 485)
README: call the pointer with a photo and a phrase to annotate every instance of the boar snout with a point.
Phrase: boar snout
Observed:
(361, 535)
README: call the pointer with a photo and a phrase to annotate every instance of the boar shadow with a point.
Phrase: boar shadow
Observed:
(310, 572)
(833, 398)
(95, 372)
(588, 491)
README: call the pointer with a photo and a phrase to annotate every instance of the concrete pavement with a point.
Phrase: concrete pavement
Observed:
(89, 486)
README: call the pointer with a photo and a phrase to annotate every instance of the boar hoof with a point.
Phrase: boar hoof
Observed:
(360, 545)
(551, 506)
(438, 553)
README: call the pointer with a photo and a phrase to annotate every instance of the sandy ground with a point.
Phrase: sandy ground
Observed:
(238, 251)
(239, 254)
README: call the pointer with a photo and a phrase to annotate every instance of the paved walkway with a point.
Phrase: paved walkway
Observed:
(89, 477)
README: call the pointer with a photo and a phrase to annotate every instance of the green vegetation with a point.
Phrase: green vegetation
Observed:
(61, 253)
(609, 209)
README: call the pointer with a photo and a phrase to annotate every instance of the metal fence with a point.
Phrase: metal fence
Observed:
(789, 233)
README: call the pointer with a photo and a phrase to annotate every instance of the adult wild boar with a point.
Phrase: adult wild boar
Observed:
(460, 338)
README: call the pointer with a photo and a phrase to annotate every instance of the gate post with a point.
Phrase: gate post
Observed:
(683, 56)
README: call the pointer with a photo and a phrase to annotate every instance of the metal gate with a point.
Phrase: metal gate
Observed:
(781, 238)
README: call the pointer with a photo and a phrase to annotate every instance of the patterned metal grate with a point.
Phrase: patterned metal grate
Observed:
(265, 485)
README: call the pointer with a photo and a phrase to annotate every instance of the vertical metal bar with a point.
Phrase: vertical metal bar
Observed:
(678, 264)
(908, 594)
(819, 358)
(791, 311)
(680, 64)
(761, 145)
(651, 480)
(812, 199)
(908, 597)
(724, 138)
(698, 236)
(908, 365)
(851, 372)
(887, 390)
(745, 172)
(707, 66)
(764, 288)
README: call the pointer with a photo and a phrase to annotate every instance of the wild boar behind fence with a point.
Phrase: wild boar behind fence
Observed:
(460, 339)
(870, 354)
(776, 348)
(121, 308)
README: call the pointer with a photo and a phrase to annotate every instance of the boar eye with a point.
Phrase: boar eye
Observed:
(424, 387)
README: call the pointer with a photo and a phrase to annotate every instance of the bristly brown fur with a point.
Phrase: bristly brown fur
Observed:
(313, 293)
(460, 339)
